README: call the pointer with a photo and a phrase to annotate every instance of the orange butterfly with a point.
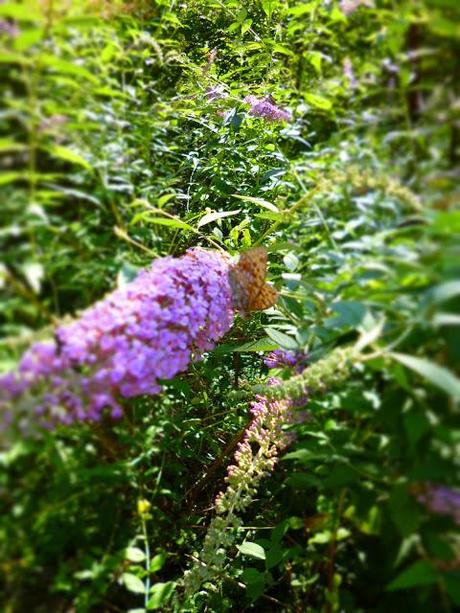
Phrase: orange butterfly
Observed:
(247, 279)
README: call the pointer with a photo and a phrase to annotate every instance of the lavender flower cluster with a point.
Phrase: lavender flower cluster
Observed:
(123, 345)
(281, 358)
(441, 500)
(267, 109)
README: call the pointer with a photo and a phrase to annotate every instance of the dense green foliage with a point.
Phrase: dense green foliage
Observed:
(113, 153)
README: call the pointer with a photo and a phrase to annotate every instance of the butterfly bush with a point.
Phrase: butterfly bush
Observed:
(254, 459)
(123, 345)
(266, 109)
(441, 500)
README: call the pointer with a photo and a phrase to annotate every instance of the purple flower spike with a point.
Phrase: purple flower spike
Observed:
(267, 109)
(120, 347)
(440, 500)
(281, 358)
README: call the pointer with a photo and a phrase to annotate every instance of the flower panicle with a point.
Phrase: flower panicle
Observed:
(255, 458)
(267, 109)
(125, 344)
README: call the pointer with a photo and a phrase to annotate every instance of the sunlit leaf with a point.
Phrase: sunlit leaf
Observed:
(252, 549)
(210, 217)
(437, 375)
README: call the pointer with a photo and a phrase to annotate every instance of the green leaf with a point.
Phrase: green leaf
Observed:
(34, 273)
(318, 101)
(420, 573)
(262, 344)
(133, 583)
(302, 9)
(370, 336)
(210, 217)
(404, 510)
(160, 594)
(9, 57)
(445, 291)
(162, 200)
(437, 375)
(260, 201)
(157, 562)
(282, 339)
(315, 58)
(21, 12)
(254, 581)
(6, 144)
(10, 177)
(452, 582)
(270, 216)
(446, 319)
(134, 554)
(268, 7)
(64, 153)
(277, 48)
(291, 261)
(350, 313)
(161, 221)
(321, 537)
(252, 549)
(246, 25)
(67, 68)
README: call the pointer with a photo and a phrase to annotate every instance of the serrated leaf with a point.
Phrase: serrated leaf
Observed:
(210, 217)
(252, 549)
(133, 583)
(437, 375)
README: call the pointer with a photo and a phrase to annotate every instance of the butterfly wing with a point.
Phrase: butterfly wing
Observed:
(266, 298)
(247, 278)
